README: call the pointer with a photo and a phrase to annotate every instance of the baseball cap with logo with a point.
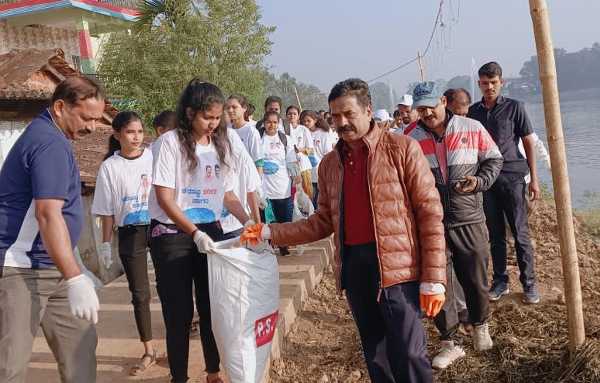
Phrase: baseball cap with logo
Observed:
(427, 94)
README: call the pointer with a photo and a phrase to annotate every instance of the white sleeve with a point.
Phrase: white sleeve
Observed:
(290, 156)
(254, 146)
(308, 138)
(103, 201)
(164, 169)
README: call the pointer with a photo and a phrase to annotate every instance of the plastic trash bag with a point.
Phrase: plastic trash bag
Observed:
(244, 305)
(303, 206)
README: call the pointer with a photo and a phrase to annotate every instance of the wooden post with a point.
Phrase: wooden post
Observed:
(560, 176)
(298, 98)
(421, 67)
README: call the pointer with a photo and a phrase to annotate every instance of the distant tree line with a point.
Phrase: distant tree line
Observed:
(576, 71)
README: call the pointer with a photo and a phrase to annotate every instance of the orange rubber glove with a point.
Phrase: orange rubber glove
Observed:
(252, 234)
(431, 304)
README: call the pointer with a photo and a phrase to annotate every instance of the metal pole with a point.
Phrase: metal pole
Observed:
(560, 176)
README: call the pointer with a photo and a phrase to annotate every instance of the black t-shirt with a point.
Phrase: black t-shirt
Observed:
(506, 122)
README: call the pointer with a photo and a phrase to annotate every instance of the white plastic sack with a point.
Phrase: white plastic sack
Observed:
(304, 162)
(244, 305)
(303, 206)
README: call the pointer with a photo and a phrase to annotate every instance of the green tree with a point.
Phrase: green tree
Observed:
(221, 41)
(285, 86)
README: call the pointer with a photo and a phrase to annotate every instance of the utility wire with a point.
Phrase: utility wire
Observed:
(407, 63)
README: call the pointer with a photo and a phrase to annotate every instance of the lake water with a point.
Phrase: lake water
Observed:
(581, 125)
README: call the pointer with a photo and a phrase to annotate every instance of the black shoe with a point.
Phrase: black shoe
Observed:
(283, 251)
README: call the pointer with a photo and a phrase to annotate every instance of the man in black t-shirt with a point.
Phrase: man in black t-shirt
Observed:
(507, 122)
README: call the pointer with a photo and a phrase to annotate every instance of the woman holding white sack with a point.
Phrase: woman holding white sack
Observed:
(280, 167)
(121, 199)
(192, 182)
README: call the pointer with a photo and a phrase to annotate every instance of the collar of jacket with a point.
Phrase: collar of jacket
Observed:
(370, 139)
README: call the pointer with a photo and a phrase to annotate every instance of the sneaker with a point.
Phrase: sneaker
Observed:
(482, 340)
(531, 295)
(498, 290)
(448, 354)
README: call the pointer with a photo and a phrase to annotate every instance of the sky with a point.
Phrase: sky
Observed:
(322, 42)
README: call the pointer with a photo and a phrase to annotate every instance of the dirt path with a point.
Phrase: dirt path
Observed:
(530, 341)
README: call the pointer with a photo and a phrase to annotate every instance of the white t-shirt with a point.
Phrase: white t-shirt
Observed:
(276, 179)
(323, 143)
(301, 137)
(245, 180)
(199, 194)
(123, 188)
(251, 139)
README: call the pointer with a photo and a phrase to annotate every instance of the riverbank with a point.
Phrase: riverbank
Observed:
(530, 341)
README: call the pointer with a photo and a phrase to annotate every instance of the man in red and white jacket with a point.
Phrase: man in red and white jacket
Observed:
(465, 161)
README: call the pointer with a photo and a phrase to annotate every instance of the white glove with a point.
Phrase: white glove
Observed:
(203, 242)
(82, 298)
(249, 222)
(105, 254)
(265, 233)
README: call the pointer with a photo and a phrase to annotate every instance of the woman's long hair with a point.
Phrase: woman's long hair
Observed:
(121, 120)
(199, 96)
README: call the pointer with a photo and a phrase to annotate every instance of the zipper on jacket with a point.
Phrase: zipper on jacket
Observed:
(341, 220)
(374, 226)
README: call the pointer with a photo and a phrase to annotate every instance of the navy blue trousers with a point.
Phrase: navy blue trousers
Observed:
(391, 332)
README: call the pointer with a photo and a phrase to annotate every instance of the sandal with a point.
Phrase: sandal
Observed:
(141, 367)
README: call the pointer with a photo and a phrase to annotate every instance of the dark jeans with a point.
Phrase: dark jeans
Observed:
(315, 199)
(508, 197)
(467, 252)
(178, 266)
(283, 210)
(133, 242)
(391, 332)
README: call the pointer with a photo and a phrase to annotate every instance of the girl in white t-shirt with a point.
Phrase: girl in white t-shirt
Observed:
(280, 166)
(121, 199)
(236, 108)
(303, 145)
(323, 142)
(193, 185)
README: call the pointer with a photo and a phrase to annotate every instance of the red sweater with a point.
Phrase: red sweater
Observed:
(358, 217)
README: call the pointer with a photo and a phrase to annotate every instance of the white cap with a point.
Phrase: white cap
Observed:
(381, 115)
(406, 100)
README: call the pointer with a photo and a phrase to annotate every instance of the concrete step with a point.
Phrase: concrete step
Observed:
(119, 347)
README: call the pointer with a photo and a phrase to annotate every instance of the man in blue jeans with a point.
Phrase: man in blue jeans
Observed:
(41, 217)
(507, 122)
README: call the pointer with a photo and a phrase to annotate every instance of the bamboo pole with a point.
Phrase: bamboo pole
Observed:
(560, 176)
(298, 98)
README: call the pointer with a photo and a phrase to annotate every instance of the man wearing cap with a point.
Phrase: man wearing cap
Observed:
(465, 161)
(382, 119)
(377, 195)
(507, 122)
(408, 115)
